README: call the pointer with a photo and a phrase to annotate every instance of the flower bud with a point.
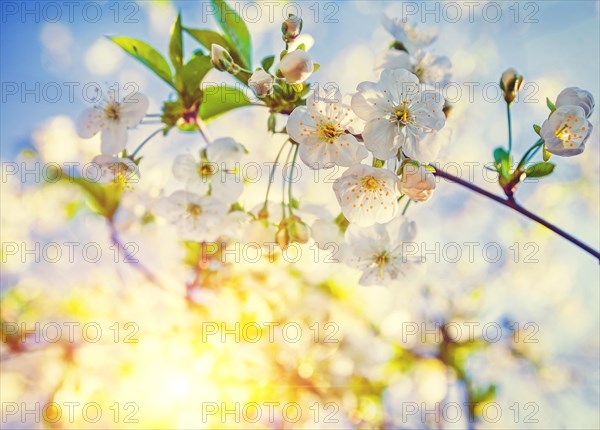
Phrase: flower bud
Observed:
(574, 96)
(282, 237)
(221, 58)
(263, 214)
(261, 83)
(291, 28)
(296, 67)
(510, 83)
(298, 231)
(417, 183)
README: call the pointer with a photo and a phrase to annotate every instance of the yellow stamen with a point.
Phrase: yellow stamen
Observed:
(194, 210)
(370, 183)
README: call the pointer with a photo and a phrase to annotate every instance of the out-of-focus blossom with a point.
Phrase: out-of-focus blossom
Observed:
(417, 182)
(398, 111)
(296, 67)
(409, 33)
(566, 131)
(195, 216)
(321, 128)
(574, 96)
(378, 250)
(217, 170)
(112, 119)
(433, 70)
(367, 195)
(115, 170)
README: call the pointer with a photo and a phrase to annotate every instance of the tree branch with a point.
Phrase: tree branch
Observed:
(511, 203)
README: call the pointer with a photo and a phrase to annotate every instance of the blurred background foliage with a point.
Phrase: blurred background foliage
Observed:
(165, 357)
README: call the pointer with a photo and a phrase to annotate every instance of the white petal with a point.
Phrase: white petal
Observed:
(379, 136)
(113, 138)
(185, 168)
(227, 187)
(134, 108)
(350, 152)
(427, 149)
(90, 122)
(225, 152)
(300, 125)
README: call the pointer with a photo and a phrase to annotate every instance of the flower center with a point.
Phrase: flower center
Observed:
(328, 132)
(382, 259)
(206, 169)
(403, 114)
(564, 133)
(112, 111)
(370, 183)
(194, 210)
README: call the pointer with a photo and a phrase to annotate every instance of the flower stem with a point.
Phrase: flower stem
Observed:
(530, 153)
(272, 174)
(287, 161)
(511, 203)
(141, 145)
(509, 118)
(203, 131)
(406, 207)
(290, 200)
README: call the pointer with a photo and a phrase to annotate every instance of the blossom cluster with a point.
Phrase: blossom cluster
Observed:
(386, 135)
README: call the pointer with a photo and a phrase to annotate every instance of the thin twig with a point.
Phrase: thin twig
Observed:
(511, 203)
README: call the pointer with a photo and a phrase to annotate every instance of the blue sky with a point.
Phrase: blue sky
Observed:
(561, 45)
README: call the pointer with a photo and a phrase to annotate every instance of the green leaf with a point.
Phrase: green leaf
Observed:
(235, 30)
(316, 67)
(301, 47)
(192, 75)
(146, 55)
(283, 54)
(176, 45)
(217, 100)
(271, 123)
(550, 105)
(547, 155)
(267, 62)
(103, 199)
(539, 170)
(537, 129)
(502, 162)
(207, 37)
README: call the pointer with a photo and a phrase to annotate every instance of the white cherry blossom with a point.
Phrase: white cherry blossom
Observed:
(566, 131)
(196, 217)
(321, 128)
(398, 111)
(217, 170)
(433, 70)
(112, 118)
(114, 170)
(367, 195)
(380, 250)
(409, 33)
(574, 96)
